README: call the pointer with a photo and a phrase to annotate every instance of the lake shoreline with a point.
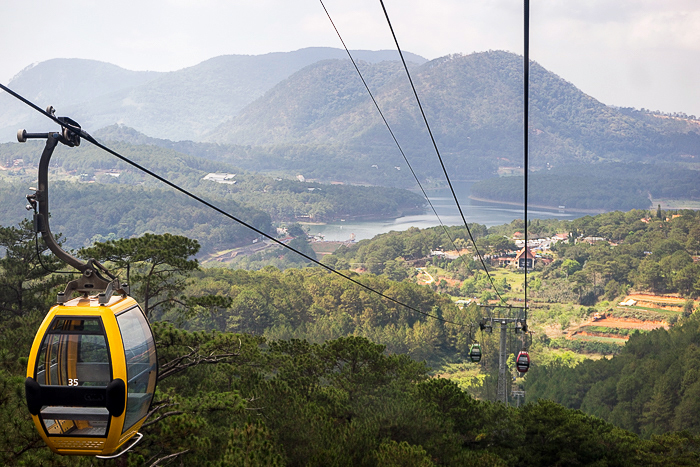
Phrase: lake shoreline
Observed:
(362, 217)
(485, 213)
(538, 206)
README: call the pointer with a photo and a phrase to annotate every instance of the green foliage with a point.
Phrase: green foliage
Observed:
(158, 264)
(647, 388)
(87, 213)
(606, 330)
(586, 347)
(134, 203)
(291, 200)
(315, 305)
(239, 399)
(24, 285)
(604, 186)
(346, 402)
(649, 255)
(394, 250)
(393, 454)
(251, 446)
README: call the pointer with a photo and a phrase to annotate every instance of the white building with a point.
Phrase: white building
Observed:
(221, 178)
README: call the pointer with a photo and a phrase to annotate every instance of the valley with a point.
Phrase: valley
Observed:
(269, 353)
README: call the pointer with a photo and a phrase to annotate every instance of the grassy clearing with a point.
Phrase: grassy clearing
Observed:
(611, 340)
(607, 330)
(325, 248)
(466, 375)
(645, 308)
(677, 203)
(648, 314)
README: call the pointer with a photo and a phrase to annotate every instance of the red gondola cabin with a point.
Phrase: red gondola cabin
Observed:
(522, 363)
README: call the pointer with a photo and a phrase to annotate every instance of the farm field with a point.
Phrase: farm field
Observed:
(629, 323)
(607, 339)
(650, 312)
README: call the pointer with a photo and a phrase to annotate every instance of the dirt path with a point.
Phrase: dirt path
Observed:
(627, 323)
(655, 298)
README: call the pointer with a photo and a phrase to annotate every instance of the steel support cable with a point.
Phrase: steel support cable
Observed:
(83, 134)
(526, 139)
(386, 123)
(437, 151)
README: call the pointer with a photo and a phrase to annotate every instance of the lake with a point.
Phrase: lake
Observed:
(480, 212)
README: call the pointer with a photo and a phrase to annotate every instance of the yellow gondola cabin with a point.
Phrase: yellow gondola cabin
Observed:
(91, 375)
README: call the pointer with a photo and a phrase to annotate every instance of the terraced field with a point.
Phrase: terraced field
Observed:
(648, 313)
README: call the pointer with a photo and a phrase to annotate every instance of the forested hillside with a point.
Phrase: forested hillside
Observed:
(326, 162)
(650, 253)
(90, 212)
(645, 250)
(306, 112)
(243, 399)
(604, 186)
(651, 387)
(96, 196)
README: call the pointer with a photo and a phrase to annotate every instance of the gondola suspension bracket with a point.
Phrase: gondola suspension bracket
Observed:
(94, 276)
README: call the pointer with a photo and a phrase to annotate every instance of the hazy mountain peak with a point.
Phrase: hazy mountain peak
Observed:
(178, 105)
(68, 81)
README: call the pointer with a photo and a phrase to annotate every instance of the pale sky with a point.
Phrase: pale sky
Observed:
(636, 53)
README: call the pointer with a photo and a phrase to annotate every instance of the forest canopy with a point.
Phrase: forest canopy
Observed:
(228, 398)
(603, 187)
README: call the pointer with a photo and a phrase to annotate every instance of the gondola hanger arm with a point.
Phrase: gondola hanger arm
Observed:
(94, 276)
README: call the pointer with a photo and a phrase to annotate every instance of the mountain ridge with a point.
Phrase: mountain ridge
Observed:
(174, 105)
(319, 122)
(474, 105)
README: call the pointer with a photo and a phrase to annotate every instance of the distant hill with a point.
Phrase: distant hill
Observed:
(474, 105)
(109, 197)
(307, 113)
(65, 84)
(606, 186)
(177, 105)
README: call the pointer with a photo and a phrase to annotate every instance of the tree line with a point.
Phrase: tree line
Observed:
(229, 398)
(651, 387)
(602, 186)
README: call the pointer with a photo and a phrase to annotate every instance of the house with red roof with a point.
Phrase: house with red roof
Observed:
(525, 258)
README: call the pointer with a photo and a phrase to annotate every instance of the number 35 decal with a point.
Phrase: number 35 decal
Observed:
(72, 382)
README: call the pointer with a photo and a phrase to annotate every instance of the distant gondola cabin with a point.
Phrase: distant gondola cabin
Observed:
(91, 375)
(522, 362)
(475, 353)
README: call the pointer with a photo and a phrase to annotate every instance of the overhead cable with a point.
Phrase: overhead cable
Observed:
(437, 151)
(376, 104)
(83, 134)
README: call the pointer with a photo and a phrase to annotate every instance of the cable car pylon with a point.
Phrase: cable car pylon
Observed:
(92, 368)
(519, 324)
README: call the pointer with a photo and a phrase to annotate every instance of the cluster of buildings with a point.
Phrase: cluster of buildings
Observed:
(535, 252)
